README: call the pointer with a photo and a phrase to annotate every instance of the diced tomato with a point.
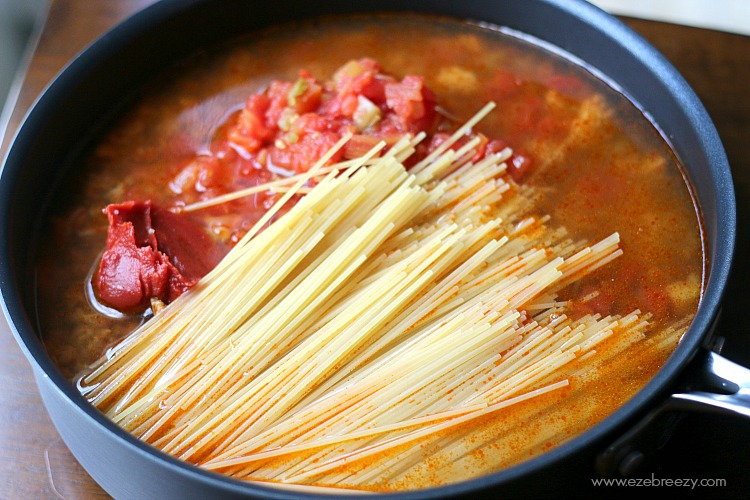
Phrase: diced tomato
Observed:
(405, 98)
(519, 166)
(311, 123)
(355, 76)
(440, 137)
(654, 300)
(251, 129)
(304, 96)
(483, 148)
(375, 89)
(257, 104)
(340, 106)
(278, 93)
(211, 173)
(351, 81)
(501, 84)
(494, 146)
(598, 300)
(437, 139)
(303, 154)
(359, 145)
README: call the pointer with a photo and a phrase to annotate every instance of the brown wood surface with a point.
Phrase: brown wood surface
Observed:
(35, 462)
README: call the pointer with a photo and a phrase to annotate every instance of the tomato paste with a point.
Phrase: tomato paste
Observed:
(150, 253)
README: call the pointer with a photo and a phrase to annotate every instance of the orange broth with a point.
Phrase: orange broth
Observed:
(599, 165)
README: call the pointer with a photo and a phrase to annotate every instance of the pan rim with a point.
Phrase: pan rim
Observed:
(23, 329)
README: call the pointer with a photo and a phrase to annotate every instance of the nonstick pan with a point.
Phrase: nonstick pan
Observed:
(94, 87)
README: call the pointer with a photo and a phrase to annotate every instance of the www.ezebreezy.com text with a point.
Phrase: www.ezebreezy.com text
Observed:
(653, 481)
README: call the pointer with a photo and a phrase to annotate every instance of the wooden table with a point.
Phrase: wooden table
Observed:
(36, 463)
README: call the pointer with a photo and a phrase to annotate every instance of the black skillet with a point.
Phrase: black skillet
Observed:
(98, 82)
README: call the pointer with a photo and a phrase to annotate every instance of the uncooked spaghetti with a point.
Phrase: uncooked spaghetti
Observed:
(381, 316)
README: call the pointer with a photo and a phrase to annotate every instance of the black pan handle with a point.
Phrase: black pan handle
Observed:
(716, 385)
(727, 389)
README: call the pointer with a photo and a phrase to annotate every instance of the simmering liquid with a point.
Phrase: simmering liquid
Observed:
(596, 166)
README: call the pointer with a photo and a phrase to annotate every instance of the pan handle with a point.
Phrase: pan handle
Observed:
(717, 385)
(725, 388)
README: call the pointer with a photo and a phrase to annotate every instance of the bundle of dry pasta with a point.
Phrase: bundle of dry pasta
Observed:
(379, 317)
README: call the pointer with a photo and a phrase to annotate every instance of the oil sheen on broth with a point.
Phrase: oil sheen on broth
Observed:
(597, 166)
